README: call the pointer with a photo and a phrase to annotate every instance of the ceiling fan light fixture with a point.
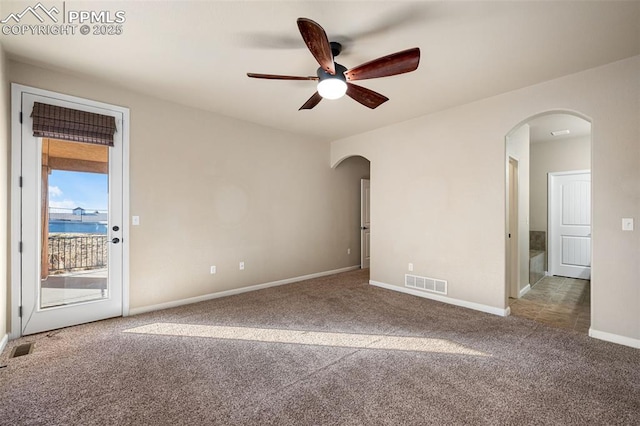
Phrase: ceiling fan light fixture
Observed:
(332, 88)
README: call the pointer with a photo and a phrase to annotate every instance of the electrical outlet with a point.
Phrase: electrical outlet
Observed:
(411, 267)
(348, 251)
(242, 266)
(213, 270)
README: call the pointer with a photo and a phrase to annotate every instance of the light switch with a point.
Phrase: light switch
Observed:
(135, 220)
(627, 224)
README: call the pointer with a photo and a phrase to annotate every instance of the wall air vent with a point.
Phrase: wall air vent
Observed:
(426, 284)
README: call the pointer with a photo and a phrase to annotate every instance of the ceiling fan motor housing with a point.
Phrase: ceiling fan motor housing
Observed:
(340, 70)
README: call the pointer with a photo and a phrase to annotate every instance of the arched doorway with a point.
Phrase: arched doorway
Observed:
(359, 169)
(548, 163)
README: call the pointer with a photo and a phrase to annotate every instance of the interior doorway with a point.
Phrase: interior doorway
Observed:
(557, 143)
(357, 201)
(69, 204)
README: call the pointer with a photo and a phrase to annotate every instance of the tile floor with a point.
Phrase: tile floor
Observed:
(557, 301)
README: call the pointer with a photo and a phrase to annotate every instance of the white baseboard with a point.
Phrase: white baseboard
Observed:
(3, 342)
(615, 338)
(524, 291)
(204, 297)
(444, 299)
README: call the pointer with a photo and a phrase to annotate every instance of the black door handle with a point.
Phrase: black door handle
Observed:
(116, 240)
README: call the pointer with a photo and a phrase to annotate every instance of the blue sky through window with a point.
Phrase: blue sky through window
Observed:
(78, 189)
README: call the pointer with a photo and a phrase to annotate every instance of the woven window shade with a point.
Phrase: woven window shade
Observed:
(50, 121)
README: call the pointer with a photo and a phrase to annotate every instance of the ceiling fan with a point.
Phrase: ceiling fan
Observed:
(334, 80)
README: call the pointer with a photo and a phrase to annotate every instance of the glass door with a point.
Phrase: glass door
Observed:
(71, 227)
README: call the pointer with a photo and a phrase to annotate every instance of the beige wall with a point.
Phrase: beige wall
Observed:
(554, 156)
(4, 193)
(518, 149)
(211, 190)
(438, 191)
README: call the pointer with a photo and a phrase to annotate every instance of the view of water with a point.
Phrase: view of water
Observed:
(77, 227)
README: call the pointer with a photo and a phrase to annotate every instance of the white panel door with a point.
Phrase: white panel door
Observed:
(365, 223)
(57, 291)
(570, 224)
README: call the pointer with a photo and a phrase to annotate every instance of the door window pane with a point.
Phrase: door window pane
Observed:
(74, 223)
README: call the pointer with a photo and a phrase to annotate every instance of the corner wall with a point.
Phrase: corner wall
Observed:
(439, 198)
(211, 190)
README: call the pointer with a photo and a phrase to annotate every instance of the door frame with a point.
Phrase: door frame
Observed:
(551, 220)
(364, 231)
(513, 255)
(17, 91)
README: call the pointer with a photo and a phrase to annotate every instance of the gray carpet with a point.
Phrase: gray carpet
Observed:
(329, 351)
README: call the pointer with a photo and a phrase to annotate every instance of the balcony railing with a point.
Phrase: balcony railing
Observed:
(68, 252)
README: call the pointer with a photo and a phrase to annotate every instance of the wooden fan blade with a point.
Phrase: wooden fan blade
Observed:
(280, 77)
(366, 97)
(396, 63)
(318, 43)
(313, 101)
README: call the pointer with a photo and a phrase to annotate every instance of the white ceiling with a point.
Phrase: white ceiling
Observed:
(198, 53)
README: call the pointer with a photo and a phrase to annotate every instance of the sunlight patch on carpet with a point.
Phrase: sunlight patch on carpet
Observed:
(343, 340)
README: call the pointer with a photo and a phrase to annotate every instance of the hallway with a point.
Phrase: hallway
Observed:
(557, 301)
